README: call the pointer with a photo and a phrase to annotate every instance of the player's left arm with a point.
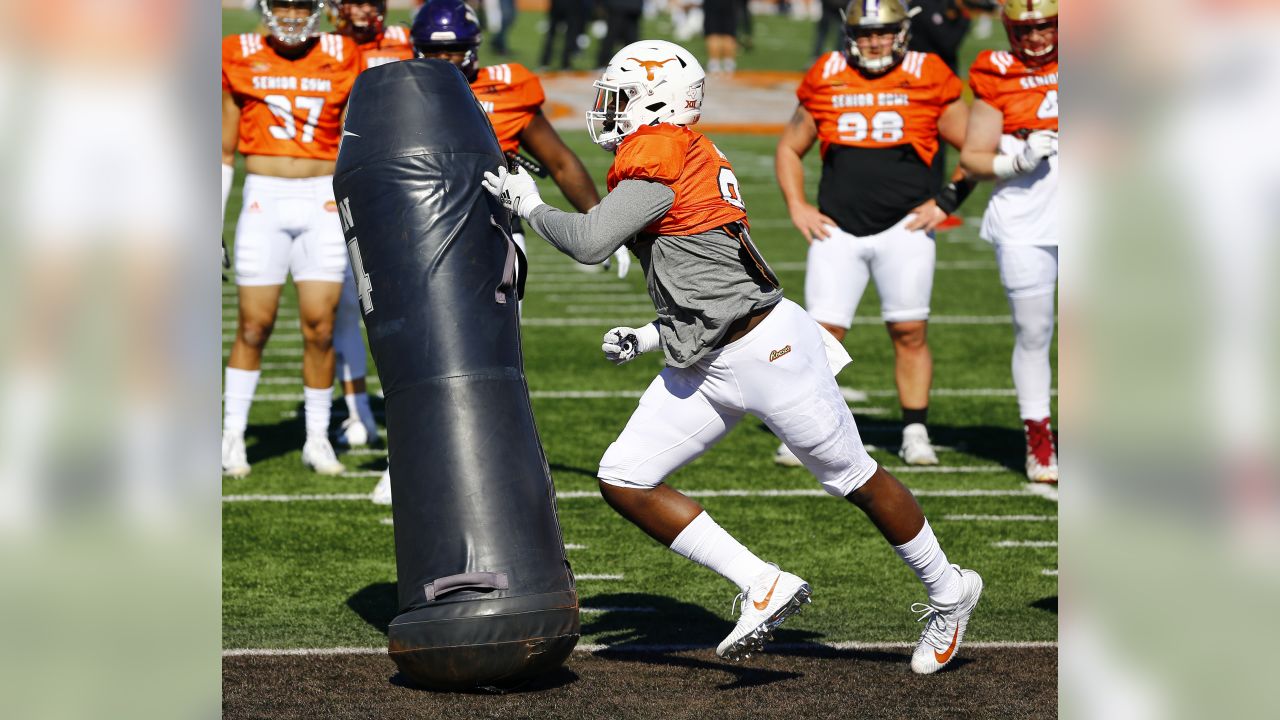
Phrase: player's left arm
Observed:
(982, 140)
(544, 143)
(230, 137)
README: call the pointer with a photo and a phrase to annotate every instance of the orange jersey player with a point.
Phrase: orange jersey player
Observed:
(1013, 139)
(733, 346)
(283, 96)
(365, 22)
(879, 111)
(511, 96)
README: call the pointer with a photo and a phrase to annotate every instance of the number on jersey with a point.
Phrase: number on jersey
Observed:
(288, 128)
(1049, 106)
(886, 126)
(730, 189)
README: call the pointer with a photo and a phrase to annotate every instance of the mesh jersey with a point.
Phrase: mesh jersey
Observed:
(393, 46)
(899, 107)
(289, 107)
(511, 96)
(1027, 96)
(708, 194)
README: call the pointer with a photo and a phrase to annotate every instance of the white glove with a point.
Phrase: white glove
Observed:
(623, 344)
(1040, 145)
(515, 190)
(623, 260)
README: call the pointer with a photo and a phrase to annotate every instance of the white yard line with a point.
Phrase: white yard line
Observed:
(1001, 518)
(656, 648)
(1025, 544)
(589, 576)
(733, 492)
(574, 546)
(600, 610)
(610, 321)
(940, 265)
(1050, 572)
(1048, 492)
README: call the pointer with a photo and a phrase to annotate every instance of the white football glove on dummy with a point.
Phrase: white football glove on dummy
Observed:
(623, 344)
(515, 190)
(1040, 145)
(621, 259)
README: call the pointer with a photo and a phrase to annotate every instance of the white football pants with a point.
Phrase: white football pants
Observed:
(1029, 274)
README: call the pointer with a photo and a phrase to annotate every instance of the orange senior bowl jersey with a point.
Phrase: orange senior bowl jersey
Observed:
(1026, 96)
(899, 107)
(708, 194)
(511, 95)
(393, 45)
(290, 107)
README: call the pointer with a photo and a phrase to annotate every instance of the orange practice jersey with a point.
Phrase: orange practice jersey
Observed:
(899, 107)
(393, 46)
(1027, 96)
(290, 107)
(707, 192)
(511, 95)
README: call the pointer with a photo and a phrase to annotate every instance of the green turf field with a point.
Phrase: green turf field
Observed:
(321, 573)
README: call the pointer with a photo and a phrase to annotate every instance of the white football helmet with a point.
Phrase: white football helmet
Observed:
(646, 83)
(292, 30)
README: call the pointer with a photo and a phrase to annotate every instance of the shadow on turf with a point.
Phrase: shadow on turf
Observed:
(999, 445)
(1048, 604)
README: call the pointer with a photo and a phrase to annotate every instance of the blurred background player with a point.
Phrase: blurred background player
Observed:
(283, 96)
(512, 97)
(1013, 138)
(720, 26)
(878, 111)
(364, 23)
(733, 346)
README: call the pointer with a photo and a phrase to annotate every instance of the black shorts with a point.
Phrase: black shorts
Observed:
(720, 17)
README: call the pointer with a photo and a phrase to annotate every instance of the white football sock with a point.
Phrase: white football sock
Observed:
(237, 398)
(706, 543)
(358, 407)
(316, 405)
(1033, 336)
(925, 558)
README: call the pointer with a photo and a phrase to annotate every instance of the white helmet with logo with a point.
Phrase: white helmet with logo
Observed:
(646, 83)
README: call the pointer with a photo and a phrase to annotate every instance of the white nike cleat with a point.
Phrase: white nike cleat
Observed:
(916, 448)
(353, 433)
(382, 493)
(945, 629)
(771, 599)
(318, 455)
(234, 459)
(786, 458)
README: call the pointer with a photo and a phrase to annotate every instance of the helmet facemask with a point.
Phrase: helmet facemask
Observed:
(881, 65)
(463, 55)
(608, 121)
(366, 33)
(291, 30)
(1019, 30)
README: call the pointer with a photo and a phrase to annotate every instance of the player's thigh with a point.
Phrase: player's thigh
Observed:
(835, 277)
(317, 305)
(903, 269)
(320, 251)
(787, 381)
(1027, 270)
(257, 305)
(263, 246)
(673, 424)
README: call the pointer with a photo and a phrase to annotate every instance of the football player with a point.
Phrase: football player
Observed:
(283, 95)
(365, 23)
(733, 345)
(1013, 138)
(877, 111)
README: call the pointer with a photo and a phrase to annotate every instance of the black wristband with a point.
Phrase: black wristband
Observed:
(954, 194)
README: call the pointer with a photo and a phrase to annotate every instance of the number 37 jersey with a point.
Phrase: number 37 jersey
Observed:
(290, 107)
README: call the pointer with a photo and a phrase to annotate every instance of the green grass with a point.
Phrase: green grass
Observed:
(318, 574)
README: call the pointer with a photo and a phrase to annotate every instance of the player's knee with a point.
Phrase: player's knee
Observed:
(621, 469)
(255, 332)
(909, 336)
(1034, 333)
(318, 333)
(848, 482)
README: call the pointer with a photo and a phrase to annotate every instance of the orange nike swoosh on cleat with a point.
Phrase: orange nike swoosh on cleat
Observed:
(945, 656)
(765, 603)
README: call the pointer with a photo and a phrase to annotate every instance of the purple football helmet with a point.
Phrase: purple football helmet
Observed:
(448, 30)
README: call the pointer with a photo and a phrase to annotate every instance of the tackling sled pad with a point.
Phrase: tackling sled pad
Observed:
(485, 591)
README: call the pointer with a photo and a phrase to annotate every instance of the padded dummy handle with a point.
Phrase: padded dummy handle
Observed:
(465, 581)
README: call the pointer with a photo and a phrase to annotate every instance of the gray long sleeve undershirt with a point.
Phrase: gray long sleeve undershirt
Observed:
(592, 237)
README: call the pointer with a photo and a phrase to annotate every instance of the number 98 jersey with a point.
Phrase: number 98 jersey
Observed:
(900, 107)
(290, 107)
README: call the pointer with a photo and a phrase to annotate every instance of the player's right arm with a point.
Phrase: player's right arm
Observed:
(230, 136)
(797, 138)
(982, 140)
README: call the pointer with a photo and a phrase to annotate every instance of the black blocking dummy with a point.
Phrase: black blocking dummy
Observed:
(485, 591)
